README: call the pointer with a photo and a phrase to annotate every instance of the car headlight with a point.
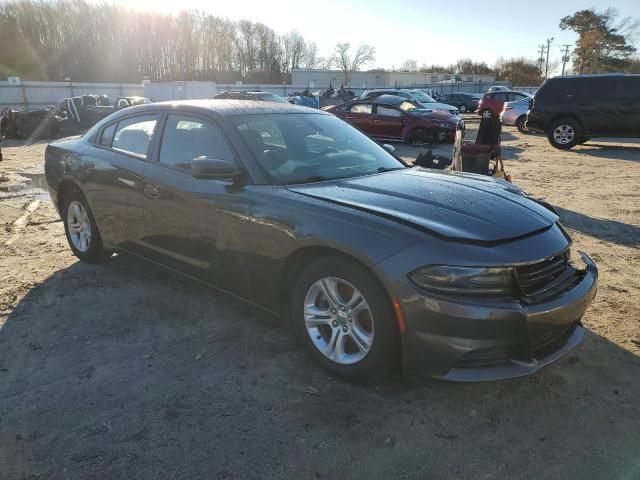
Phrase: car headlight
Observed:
(469, 280)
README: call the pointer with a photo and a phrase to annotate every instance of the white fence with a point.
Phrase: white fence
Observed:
(31, 95)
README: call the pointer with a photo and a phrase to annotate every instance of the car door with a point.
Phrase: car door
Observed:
(388, 122)
(113, 182)
(190, 221)
(360, 116)
(595, 100)
(629, 98)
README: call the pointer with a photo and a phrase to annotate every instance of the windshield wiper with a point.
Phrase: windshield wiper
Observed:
(388, 169)
(311, 179)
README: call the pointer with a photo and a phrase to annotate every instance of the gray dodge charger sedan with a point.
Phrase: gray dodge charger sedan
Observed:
(373, 264)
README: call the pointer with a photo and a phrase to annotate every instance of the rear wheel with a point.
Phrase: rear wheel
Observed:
(462, 108)
(564, 133)
(486, 113)
(81, 229)
(343, 318)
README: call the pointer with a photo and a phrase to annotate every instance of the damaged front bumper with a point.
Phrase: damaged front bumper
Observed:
(459, 341)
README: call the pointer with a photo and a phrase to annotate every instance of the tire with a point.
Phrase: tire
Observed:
(81, 230)
(564, 133)
(463, 108)
(486, 113)
(520, 124)
(372, 324)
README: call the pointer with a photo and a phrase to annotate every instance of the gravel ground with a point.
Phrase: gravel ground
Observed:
(122, 371)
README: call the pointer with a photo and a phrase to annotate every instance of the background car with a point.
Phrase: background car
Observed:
(498, 88)
(571, 110)
(515, 114)
(491, 104)
(260, 96)
(372, 263)
(466, 102)
(426, 101)
(390, 117)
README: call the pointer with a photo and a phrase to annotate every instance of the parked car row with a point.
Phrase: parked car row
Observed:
(396, 118)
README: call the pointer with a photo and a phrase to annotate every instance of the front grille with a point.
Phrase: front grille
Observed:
(486, 357)
(545, 276)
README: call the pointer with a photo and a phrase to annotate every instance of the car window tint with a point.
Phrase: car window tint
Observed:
(133, 135)
(388, 111)
(107, 135)
(630, 88)
(185, 138)
(361, 108)
(598, 88)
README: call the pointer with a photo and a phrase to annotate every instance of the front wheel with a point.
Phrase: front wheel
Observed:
(564, 134)
(343, 318)
(81, 229)
(486, 113)
(462, 108)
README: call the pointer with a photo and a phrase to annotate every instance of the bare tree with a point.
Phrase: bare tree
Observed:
(409, 66)
(350, 62)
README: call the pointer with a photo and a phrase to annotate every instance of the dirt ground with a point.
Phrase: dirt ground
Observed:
(122, 371)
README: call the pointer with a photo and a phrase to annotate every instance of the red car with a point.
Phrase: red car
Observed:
(389, 117)
(492, 103)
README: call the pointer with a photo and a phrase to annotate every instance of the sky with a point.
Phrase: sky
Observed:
(428, 32)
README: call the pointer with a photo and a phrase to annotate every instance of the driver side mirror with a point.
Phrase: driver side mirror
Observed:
(389, 148)
(209, 168)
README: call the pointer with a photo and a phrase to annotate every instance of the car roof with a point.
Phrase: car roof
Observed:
(227, 107)
(592, 75)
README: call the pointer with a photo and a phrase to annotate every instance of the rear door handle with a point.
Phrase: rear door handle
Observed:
(351, 118)
(151, 191)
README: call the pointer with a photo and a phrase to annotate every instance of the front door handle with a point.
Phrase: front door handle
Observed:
(151, 191)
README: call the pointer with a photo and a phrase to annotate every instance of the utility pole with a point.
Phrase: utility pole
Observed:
(546, 68)
(541, 59)
(565, 57)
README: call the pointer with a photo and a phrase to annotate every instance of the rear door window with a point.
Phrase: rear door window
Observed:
(630, 88)
(134, 134)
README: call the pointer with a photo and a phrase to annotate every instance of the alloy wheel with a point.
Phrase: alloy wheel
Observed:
(79, 226)
(463, 108)
(339, 320)
(487, 114)
(564, 134)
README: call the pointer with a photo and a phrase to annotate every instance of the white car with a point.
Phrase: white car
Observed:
(499, 88)
(515, 113)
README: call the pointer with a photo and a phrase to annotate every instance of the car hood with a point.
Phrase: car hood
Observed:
(438, 106)
(454, 205)
(435, 115)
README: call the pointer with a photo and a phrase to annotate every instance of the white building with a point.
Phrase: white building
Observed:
(378, 79)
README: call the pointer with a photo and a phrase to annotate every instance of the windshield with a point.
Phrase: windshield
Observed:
(423, 97)
(302, 148)
(271, 97)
